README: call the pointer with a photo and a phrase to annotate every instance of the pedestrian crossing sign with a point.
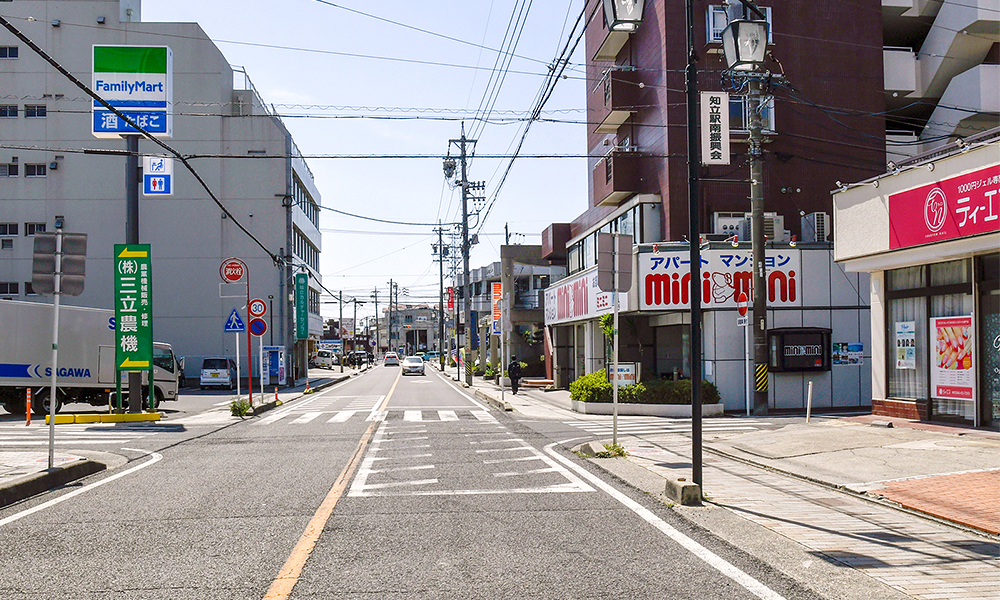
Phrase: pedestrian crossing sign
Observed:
(234, 324)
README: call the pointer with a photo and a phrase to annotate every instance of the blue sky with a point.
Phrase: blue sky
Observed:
(326, 65)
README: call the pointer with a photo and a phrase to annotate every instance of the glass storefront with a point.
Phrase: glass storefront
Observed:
(988, 276)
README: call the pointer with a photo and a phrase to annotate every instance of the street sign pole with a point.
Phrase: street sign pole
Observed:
(743, 321)
(55, 345)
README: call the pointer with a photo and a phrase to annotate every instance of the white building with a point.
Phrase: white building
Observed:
(928, 233)
(243, 152)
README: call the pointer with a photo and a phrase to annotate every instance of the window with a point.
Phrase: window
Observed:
(717, 22)
(8, 228)
(34, 111)
(33, 228)
(29, 290)
(8, 111)
(314, 302)
(8, 51)
(739, 114)
(8, 170)
(9, 288)
(35, 170)
(6, 244)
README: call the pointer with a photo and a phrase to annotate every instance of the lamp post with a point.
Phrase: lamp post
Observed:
(623, 15)
(744, 42)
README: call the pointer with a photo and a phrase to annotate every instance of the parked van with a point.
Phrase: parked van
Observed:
(326, 359)
(218, 371)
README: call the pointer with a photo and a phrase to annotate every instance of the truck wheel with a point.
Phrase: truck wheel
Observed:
(14, 407)
(40, 403)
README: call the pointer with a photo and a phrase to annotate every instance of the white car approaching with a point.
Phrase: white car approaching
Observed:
(413, 364)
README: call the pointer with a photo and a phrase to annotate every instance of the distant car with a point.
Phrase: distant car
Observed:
(325, 359)
(218, 371)
(413, 364)
(432, 356)
(390, 359)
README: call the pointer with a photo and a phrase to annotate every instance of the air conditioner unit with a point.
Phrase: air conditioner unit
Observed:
(727, 223)
(816, 227)
(774, 228)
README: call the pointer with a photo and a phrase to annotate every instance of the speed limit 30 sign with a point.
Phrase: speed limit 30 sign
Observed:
(257, 308)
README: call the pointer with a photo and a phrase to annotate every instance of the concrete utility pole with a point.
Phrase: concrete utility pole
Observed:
(441, 254)
(760, 357)
(132, 178)
(463, 143)
(389, 343)
(378, 334)
(340, 333)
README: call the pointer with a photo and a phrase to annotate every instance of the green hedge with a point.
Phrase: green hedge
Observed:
(595, 387)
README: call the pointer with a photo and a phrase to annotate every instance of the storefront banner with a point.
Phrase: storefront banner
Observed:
(956, 207)
(497, 288)
(906, 345)
(664, 278)
(952, 360)
(578, 299)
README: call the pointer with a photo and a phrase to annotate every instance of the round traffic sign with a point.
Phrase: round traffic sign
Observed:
(741, 304)
(232, 270)
(258, 327)
(258, 308)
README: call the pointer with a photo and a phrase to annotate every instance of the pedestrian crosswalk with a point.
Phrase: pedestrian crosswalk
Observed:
(653, 425)
(91, 434)
(414, 416)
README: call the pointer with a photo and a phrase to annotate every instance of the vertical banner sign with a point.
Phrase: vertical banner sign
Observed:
(451, 298)
(952, 360)
(497, 287)
(714, 128)
(302, 306)
(138, 81)
(133, 308)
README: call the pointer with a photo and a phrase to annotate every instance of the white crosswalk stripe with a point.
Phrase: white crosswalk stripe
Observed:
(91, 434)
(303, 416)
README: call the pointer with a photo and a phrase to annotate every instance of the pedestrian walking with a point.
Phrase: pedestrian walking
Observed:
(514, 372)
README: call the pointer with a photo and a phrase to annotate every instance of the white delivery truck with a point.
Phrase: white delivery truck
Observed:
(86, 369)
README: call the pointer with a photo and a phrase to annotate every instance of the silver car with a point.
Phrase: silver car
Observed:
(413, 364)
(390, 359)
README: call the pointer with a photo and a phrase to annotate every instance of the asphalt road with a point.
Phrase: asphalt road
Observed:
(379, 487)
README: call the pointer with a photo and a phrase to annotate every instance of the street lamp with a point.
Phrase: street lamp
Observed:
(744, 42)
(623, 15)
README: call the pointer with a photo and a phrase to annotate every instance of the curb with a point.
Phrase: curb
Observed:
(47, 480)
(274, 403)
(504, 406)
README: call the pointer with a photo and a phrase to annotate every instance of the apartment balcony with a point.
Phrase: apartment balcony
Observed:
(614, 99)
(616, 177)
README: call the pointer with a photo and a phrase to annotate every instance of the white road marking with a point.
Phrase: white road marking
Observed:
(373, 415)
(309, 416)
(155, 458)
(531, 472)
(483, 415)
(413, 415)
(447, 415)
(749, 583)
(342, 416)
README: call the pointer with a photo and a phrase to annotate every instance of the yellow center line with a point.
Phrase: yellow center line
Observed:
(288, 576)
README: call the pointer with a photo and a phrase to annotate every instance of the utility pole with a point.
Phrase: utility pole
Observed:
(378, 334)
(340, 327)
(449, 170)
(760, 357)
(391, 348)
(441, 254)
(694, 241)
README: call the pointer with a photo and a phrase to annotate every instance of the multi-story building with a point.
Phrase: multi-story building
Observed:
(409, 328)
(942, 73)
(823, 123)
(52, 165)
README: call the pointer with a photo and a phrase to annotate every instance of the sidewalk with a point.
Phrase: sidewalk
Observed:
(25, 473)
(952, 473)
(914, 507)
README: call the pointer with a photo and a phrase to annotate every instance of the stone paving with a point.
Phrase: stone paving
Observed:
(979, 494)
(918, 557)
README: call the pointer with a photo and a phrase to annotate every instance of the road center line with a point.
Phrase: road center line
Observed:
(726, 568)
(288, 576)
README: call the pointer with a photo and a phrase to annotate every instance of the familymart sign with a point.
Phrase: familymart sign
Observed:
(138, 81)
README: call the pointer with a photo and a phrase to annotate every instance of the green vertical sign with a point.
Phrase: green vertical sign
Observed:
(133, 308)
(302, 306)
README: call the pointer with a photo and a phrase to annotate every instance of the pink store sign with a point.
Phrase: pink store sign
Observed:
(956, 207)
